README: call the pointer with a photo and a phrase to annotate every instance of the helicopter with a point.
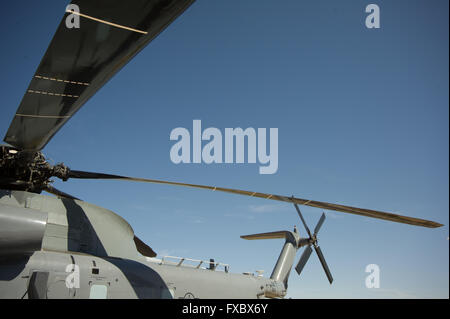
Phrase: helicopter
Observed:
(63, 247)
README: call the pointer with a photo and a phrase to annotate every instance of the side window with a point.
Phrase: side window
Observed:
(98, 292)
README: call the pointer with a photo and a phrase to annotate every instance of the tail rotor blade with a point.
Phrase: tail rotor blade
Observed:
(303, 221)
(303, 259)
(319, 224)
(324, 264)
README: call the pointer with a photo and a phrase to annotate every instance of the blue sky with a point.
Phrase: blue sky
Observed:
(362, 118)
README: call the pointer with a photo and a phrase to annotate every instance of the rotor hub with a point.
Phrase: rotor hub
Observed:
(27, 170)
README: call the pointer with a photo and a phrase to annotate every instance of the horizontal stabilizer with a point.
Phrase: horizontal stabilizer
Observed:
(271, 235)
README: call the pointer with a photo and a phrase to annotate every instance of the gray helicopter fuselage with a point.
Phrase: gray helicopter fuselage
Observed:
(63, 248)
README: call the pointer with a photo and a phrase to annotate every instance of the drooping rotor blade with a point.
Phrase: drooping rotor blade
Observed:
(324, 263)
(81, 59)
(50, 189)
(303, 221)
(336, 207)
(143, 248)
(303, 259)
(319, 224)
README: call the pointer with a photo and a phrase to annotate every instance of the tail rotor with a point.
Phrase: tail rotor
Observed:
(311, 243)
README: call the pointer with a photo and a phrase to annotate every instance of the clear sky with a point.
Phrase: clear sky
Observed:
(362, 115)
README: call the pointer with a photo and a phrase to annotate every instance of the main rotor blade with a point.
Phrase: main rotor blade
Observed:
(319, 224)
(324, 263)
(81, 59)
(143, 248)
(322, 205)
(50, 189)
(303, 259)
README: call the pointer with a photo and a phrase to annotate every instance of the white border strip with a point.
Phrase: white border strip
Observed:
(53, 94)
(44, 116)
(106, 22)
(59, 80)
